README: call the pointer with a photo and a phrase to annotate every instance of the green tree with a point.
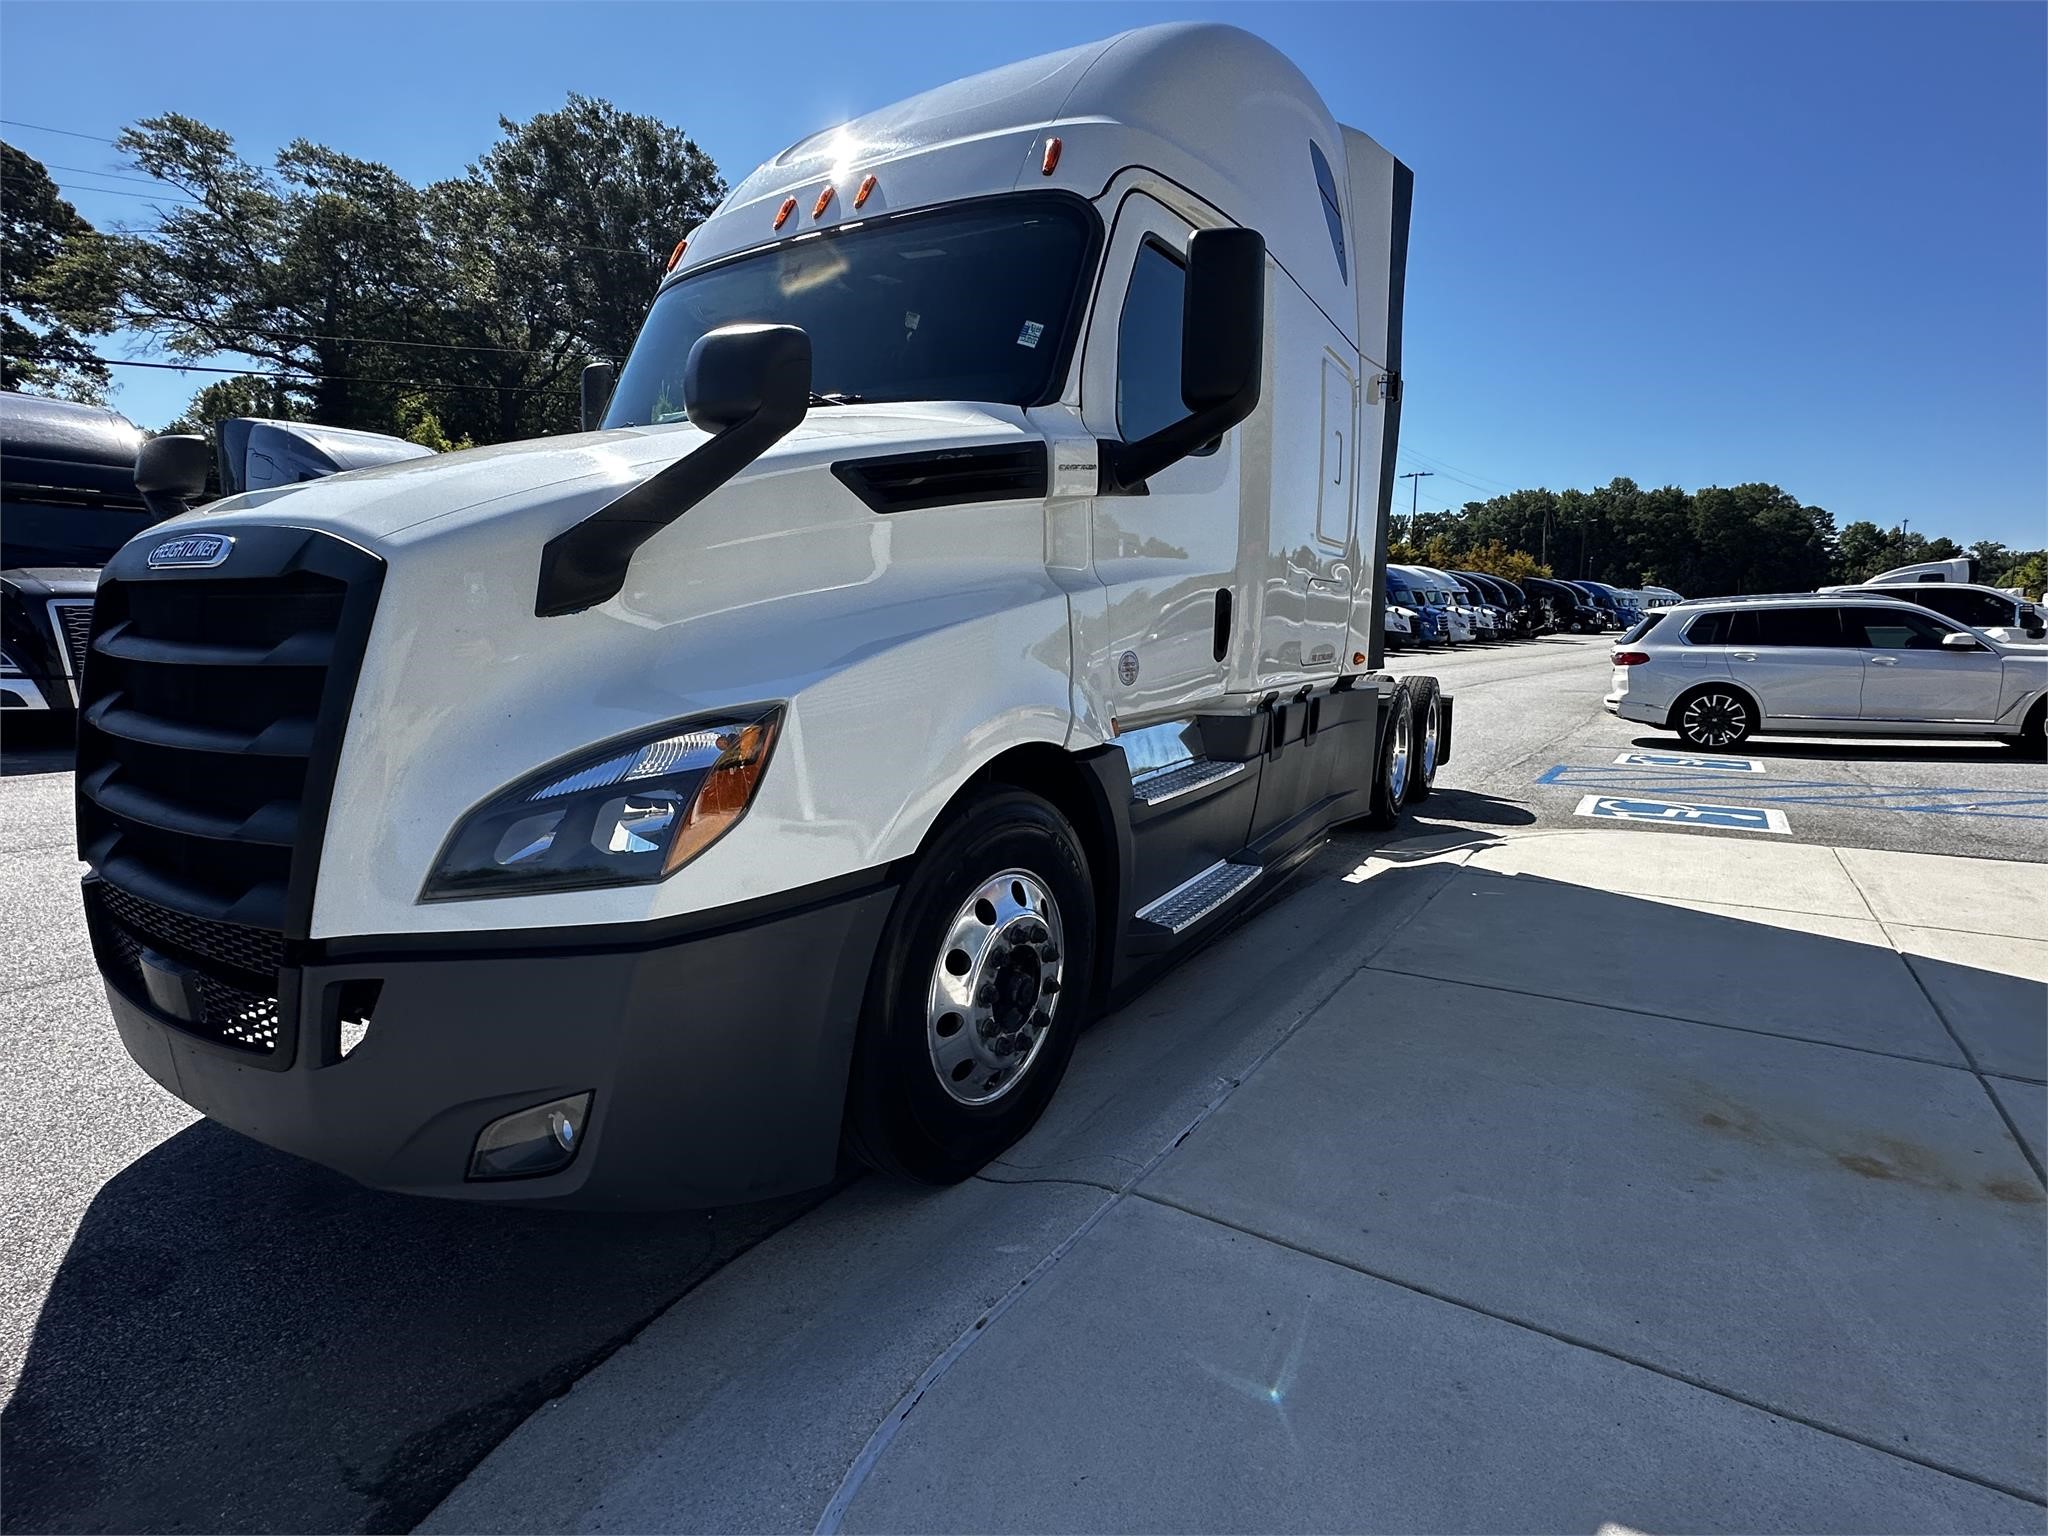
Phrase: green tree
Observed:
(56, 287)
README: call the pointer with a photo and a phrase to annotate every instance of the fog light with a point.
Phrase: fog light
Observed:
(537, 1140)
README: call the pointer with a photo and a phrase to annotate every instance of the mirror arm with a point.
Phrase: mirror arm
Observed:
(585, 564)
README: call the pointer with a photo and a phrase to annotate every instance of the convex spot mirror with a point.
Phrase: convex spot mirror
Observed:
(1222, 354)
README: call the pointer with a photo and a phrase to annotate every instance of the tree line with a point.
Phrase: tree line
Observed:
(1705, 543)
(460, 311)
(463, 311)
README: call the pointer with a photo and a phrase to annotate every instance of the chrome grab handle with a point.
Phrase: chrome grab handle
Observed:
(1884, 661)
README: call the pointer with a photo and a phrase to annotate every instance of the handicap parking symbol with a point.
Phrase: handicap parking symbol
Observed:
(1674, 813)
(1681, 760)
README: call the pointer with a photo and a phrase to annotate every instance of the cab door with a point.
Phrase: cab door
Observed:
(1168, 557)
(1326, 563)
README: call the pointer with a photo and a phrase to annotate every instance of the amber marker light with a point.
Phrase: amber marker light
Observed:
(676, 255)
(824, 201)
(782, 215)
(867, 185)
(1052, 158)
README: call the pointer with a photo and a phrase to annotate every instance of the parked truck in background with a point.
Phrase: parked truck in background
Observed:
(970, 599)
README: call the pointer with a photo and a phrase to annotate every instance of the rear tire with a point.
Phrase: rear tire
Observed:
(979, 991)
(1393, 764)
(1713, 718)
(1427, 733)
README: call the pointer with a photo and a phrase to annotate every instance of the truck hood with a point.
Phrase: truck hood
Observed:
(388, 504)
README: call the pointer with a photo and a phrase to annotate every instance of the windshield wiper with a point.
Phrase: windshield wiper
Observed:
(836, 397)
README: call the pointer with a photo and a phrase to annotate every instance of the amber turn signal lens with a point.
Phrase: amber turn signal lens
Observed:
(788, 207)
(722, 797)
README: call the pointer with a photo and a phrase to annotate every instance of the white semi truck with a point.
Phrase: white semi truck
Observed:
(970, 599)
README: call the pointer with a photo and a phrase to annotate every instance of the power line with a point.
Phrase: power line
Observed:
(296, 378)
(74, 187)
(86, 170)
(367, 341)
(69, 133)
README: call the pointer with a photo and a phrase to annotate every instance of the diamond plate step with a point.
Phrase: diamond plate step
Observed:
(1172, 783)
(1194, 899)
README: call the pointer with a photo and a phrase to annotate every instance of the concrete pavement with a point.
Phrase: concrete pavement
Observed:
(1490, 1181)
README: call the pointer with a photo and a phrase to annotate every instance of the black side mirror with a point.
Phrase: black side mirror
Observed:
(748, 385)
(756, 377)
(170, 472)
(1222, 354)
(598, 380)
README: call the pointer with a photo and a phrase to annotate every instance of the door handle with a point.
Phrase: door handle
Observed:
(1338, 579)
(1884, 661)
(1742, 655)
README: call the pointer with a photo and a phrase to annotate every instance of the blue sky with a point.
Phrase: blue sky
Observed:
(1686, 243)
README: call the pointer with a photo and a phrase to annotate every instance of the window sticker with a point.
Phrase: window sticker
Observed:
(1028, 337)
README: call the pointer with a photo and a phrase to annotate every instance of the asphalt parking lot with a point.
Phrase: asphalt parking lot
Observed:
(201, 1334)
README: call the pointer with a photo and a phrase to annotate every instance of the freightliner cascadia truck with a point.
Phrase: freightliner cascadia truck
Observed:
(969, 599)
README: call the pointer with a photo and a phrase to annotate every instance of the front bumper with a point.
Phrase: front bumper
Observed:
(717, 1059)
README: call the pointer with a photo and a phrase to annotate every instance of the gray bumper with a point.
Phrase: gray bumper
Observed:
(717, 1061)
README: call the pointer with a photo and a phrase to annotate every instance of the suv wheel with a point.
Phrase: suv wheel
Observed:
(979, 992)
(1713, 718)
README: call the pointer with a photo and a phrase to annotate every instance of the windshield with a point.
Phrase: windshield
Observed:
(42, 533)
(975, 302)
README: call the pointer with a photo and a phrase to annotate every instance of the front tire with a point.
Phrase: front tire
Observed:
(980, 989)
(1713, 718)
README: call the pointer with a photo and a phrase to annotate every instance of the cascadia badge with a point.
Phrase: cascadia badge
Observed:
(194, 549)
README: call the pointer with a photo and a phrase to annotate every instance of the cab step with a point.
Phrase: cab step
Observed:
(1183, 779)
(1194, 899)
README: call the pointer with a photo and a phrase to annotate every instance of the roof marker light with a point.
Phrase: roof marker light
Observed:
(824, 200)
(1052, 158)
(867, 185)
(676, 255)
(782, 214)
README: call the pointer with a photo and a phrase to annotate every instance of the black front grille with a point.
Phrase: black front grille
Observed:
(906, 482)
(74, 626)
(209, 729)
(198, 740)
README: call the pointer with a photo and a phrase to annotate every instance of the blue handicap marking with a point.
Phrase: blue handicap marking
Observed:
(1680, 760)
(1676, 813)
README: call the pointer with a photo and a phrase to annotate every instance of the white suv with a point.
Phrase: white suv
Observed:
(1721, 670)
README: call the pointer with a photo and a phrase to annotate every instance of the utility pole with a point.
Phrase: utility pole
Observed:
(1414, 477)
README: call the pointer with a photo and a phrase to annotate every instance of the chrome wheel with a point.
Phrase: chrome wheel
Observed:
(1403, 727)
(995, 987)
(1429, 733)
(1714, 720)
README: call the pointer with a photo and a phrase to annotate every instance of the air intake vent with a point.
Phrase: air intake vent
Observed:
(949, 477)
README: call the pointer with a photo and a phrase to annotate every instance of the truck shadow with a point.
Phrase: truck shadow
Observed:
(237, 1340)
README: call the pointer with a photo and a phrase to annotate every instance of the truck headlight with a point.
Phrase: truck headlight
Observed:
(629, 812)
